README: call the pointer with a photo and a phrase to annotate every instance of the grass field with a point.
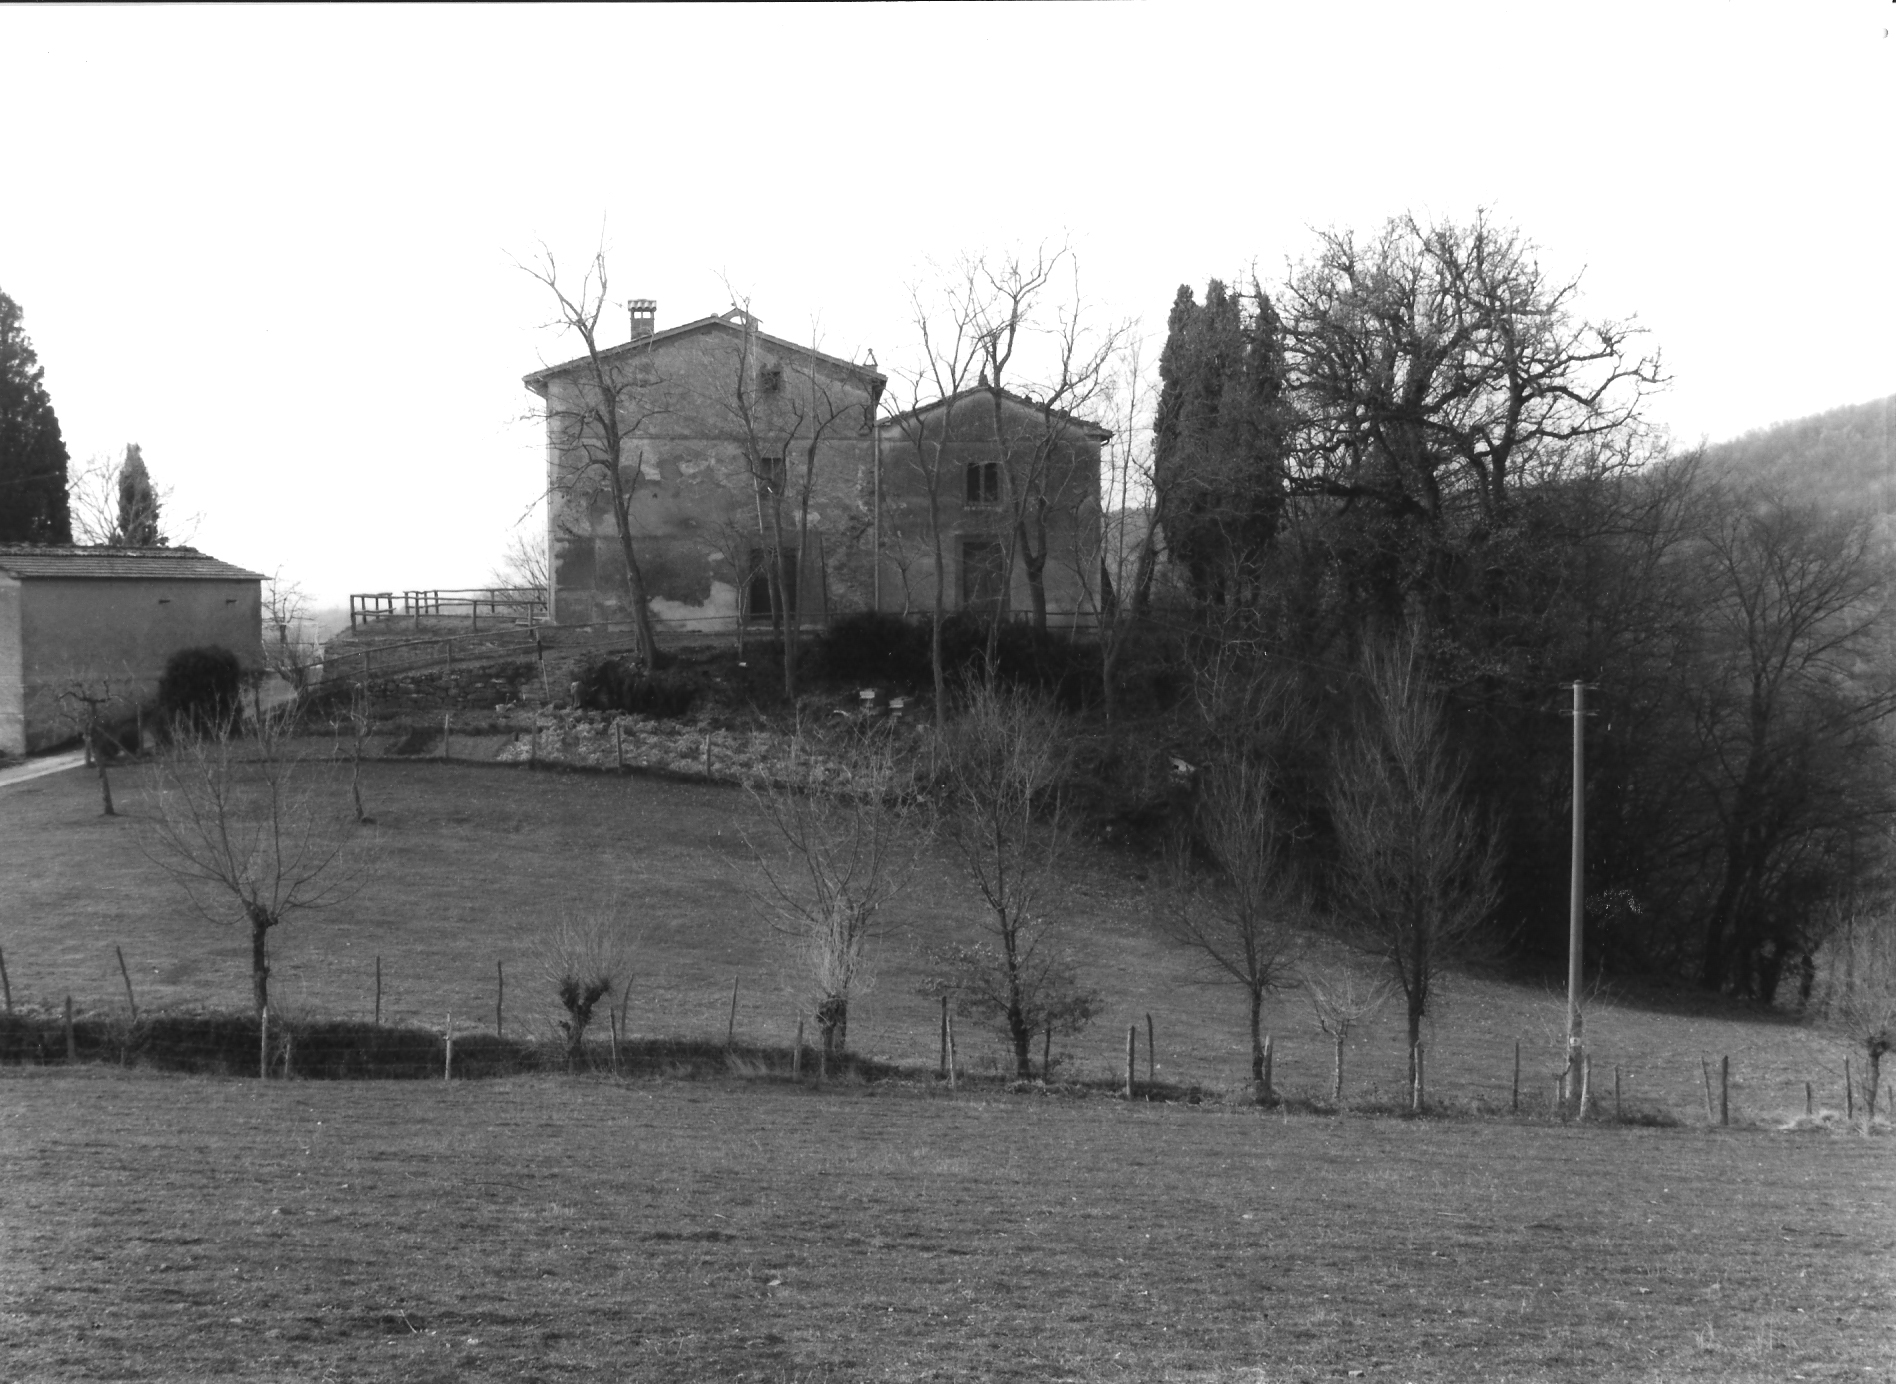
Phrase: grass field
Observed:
(476, 860)
(745, 1227)
(156, 1227)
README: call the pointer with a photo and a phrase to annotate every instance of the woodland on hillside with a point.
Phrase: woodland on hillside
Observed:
(1419, 440)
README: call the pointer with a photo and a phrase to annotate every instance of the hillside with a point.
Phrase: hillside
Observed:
(1846, 455)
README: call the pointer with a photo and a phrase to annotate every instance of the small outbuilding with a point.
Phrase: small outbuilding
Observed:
(103, 621)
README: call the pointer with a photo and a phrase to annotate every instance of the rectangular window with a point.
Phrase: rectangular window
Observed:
(770, 378)
(984, 483)
(770, 473)
(983, 573)
(762, 563)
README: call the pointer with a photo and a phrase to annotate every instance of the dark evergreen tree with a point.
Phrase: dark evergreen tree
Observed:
(1220, 439)
(32, 453)
(138, 505)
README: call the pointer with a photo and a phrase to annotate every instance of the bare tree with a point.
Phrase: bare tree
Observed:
(1003, 760)
(289, 649)
(1242, 923)
(254, 827)
(1343, 999)
(845, 834)
(114, 503)
(84, 706)
(522, 567)
(587, 957)
(783, 422)
(594, 417)
(950, 349)
(1415, 871)
(1856, 991)
(1007, 297)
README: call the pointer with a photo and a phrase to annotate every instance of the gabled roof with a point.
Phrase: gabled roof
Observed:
(731, 321)
(78, 560)
(1083, 425)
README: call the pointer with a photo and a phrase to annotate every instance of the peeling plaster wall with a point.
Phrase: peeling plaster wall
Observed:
(963, 434)
(695, 510)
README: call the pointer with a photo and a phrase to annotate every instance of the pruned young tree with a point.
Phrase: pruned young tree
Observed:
(1242, 921)
(586, 957)
(1002, 763)
(1414, 880)
(844, 828)
(522, 566)
(1856, 996)
(253, 828)
(594, 417)
(85, 705)
(1342, 999)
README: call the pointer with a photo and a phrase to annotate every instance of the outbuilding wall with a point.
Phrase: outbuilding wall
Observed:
(64, 631)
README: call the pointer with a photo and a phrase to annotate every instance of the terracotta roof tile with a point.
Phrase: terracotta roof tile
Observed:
(167, 564)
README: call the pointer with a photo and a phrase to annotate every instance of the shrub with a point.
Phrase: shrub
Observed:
(202, 688)
(874, 646)
(612, 685)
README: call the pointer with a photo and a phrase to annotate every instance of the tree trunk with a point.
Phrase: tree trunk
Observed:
(1257, 1040)
(259, 962)
(1415, 1033)
(1336, 1083)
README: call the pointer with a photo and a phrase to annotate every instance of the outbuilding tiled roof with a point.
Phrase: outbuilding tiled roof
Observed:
(167, 564)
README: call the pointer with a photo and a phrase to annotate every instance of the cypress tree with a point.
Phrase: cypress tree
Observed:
(32, 453)
(138, 505)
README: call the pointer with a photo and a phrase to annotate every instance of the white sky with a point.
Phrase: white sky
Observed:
(276, 247)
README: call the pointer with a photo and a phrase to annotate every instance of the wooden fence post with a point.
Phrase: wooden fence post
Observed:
(1724, 1090)
(1152, 1058)
(612, 1023)
(1849, 1093)
(1132, 1056)
(446, 716)
(707, 755)
(1810, 1100)
(72, 1046)
(1706, 1068)
(500, 994)
(942, 1066)
(1586, 1083)
(618, 741)
(447, 1053)
(6, 985)
(1514, 1102)
(1046, 1054)
(951, 1052)
(378, 990)
(730, 1034)
(128, 982)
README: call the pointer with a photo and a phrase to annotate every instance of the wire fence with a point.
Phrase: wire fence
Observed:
(516, 1032)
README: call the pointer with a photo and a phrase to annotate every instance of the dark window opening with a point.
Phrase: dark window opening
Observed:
(770, 474)
(770, 378)
(984, 483)
(762, 564)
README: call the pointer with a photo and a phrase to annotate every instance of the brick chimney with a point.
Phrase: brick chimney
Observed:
(644, 313)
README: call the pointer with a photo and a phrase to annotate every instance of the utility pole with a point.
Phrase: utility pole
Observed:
(1576, 901)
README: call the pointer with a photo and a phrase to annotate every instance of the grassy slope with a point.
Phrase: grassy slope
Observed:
(475, 859)
(159, 1227)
